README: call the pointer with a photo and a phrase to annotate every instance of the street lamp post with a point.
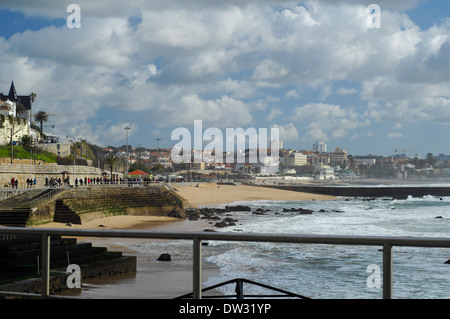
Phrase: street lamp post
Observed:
(126, 130)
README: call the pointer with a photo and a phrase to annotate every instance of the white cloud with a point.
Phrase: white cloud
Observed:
(269, 69)
(323, 118)
(222, 112)
(230, 62)
(274, 112)
(344, 91)
(287, 132)
(291, 94)
(395, 135)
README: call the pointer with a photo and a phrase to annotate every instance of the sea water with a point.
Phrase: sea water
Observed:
(338, 271)
(312, 270)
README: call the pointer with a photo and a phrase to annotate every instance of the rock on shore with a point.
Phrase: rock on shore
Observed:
(221, 215)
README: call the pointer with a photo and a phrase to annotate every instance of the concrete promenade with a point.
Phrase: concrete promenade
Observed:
(22, 172)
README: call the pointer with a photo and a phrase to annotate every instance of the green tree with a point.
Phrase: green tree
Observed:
(27, 142)
(430, 159)
(41, 117)
(111, 160)
(157, 168)
(138, 165)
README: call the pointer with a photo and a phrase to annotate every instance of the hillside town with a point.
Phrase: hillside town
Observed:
(316, 164)
(24, 139)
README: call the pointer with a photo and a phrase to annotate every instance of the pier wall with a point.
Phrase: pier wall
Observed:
(398, 192)
(79, 205)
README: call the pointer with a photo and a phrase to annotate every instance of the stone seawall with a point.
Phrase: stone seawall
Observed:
(79, 205)
(397, 192)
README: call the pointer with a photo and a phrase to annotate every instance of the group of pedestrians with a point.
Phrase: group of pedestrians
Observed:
(52, 182)
(89, 181)
(57, 182)
(31, 182)
(14, 183)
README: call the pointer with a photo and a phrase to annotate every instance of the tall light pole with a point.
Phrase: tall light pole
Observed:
(126, 130)
(157, 146)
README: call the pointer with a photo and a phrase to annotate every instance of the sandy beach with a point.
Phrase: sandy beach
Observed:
(205, 194)
(202, 194)
(174, 278)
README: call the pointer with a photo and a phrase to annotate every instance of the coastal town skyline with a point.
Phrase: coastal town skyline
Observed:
(314, 69)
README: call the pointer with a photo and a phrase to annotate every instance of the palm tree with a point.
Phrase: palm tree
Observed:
(111, 160)
(41, 117)
(33, 96)
(27, 142)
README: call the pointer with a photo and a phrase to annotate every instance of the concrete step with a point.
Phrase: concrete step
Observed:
(19, 256)
(14, 217)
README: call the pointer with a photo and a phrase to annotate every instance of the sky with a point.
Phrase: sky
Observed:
(316, 70)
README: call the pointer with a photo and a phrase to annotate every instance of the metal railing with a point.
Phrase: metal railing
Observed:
(386, 242)
(45, 196)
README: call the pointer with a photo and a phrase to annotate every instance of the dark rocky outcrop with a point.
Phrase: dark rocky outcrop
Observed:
(238, 208)
(164, 257)
(302, 211)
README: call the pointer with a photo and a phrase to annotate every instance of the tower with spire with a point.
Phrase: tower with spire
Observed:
(22, 103)
(18, 109)
(12, 96)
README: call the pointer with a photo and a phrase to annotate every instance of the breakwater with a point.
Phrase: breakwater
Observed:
(397, 191)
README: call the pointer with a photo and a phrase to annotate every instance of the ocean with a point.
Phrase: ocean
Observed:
(339, 271)
(314, 271)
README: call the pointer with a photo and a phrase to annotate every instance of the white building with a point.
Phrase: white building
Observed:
(7, 108)
(324, 172)
(320, 147)
(338, 157)
(295, 159)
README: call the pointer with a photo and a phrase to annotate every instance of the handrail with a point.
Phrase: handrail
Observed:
(387, 242)
(42, 197)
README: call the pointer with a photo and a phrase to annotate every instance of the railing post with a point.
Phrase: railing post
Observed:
(387, 271)
(239, 289)
(45, 265)
(197, 269)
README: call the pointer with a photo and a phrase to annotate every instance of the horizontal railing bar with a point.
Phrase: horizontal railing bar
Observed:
(35, 295)
(242, 237)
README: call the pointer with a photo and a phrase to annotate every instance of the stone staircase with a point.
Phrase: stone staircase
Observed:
(15, 211)
(15, 217)
(21, 256)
